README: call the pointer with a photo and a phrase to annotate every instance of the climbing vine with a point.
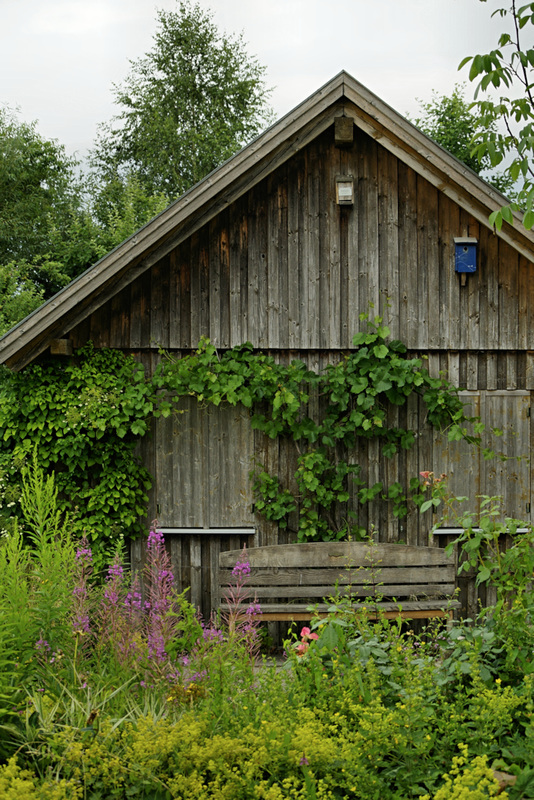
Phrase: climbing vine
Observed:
(352, 396)
(81, 419)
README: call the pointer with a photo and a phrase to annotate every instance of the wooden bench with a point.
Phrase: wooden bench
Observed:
(389, 580)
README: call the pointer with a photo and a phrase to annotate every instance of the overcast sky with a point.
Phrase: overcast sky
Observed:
(59, 58)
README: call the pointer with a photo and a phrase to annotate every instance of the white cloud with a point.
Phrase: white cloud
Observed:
(73, 18)
(59, 58)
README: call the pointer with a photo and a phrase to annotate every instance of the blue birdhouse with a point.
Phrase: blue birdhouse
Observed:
(465, 254)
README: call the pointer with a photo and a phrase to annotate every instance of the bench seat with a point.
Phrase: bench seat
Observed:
(291, 582)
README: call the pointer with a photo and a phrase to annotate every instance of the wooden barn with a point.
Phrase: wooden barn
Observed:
(340, 204)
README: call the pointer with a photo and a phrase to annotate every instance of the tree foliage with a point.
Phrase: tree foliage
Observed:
(19, 295)
(54, 223)
(188, 105)
(505, 125)
(40, 207)
(37, 189)
(449, 121)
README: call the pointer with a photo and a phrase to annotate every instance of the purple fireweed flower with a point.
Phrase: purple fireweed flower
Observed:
(42, 644)
(84, 555)
(114, 571)
(212, 634)
(114, 579)
(134, 601)
(155, 540)
(112, 596)
(241, 569)
(253, 609)
(156, 646)
(303, 761)
(81, 623)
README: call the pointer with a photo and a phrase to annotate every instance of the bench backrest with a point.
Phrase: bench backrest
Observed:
(311, 571)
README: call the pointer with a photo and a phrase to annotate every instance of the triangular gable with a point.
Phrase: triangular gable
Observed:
(343, 95)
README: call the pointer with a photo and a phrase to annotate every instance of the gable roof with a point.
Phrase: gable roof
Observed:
(343, 95)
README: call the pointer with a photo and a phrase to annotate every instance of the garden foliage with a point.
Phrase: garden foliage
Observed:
(106, 692)
(81, 419)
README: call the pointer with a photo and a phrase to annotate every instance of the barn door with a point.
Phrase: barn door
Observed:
(470, 474)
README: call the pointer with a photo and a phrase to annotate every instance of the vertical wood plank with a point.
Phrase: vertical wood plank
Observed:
(273, 298)
(120, 320)
(313, 315)
(526, 303)
(369, 288)
(463, 289)
(282, 267)
(472, 371)
(100, 326)
(236, 218)
(412, 470)
(213, 561)
(508, 297)
(373, 474)
(346, 221)
(195, 551)
(390, 467)
(475, 289)
(214, 283)
(427, 281)
(243, 275)
(491, 371)
(407, 256)
(180, 325)
(331, 248)
(445, 256)
(257, 259)
(511, 371)
(175, 548)
(388, 246)
(224, 292)
(353, 243)
(196, 298)
(294, 237)
(159, 309)
(489, 262)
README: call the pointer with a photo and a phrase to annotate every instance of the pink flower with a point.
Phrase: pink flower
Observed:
(306, 635)
(301, 648)
(305, 632)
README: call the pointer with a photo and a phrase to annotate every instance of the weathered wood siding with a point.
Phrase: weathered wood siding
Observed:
(289, 270)
(286, 268)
